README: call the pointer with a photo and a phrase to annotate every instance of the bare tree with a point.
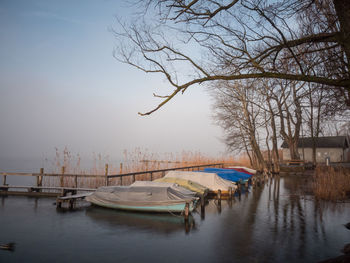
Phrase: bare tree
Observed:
(203, 41)
(238, 112)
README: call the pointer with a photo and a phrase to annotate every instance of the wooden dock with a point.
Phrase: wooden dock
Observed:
(70, 199)
(69, 195)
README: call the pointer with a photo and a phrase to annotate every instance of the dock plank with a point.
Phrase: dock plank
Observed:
(76, 196)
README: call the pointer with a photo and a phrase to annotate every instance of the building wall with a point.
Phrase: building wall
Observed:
(335, 154)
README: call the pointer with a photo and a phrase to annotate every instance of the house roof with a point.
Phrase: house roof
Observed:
(322, 142)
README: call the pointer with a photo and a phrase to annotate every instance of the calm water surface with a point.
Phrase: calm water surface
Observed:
(274, 223)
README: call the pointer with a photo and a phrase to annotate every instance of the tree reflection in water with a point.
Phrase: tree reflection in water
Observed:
(281, 222)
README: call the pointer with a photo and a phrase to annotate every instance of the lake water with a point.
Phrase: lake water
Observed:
(277, 222)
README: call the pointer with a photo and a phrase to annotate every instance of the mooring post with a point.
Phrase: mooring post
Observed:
(76, 181)
(258, 182)
(230, 192)
(106, 174)
(187, 211)
(151, 176)
(246, 185)
(58, 203)
(4, 179)
(61, 179)
(202, 202)
(133, 178)
(219, 201)
(71, 204)
(239, 188)
(39, 178)
(121, 168)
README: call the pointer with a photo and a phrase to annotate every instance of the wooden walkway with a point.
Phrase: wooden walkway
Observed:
(70, 199)
(48, 191)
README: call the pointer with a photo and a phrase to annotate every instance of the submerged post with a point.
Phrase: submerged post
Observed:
(106, 174)
(61, 178)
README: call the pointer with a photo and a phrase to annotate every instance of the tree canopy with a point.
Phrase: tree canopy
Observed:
(203, 41)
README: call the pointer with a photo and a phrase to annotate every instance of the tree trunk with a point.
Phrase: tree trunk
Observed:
(342, 8)
(275, 155)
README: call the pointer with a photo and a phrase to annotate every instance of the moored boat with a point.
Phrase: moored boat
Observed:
(209, 180)
(249, 170)
(142, 198)
(229, 174)
(188, 184)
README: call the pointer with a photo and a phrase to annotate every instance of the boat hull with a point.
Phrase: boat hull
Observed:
(175, 208)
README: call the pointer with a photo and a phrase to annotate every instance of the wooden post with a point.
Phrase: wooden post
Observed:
(106, 174)
(39, 178)
(163, 173)
(187, 211)
(61, 178)
(239, 188)
(133, 178)
(219, 201)
(71, 204)
(151, 176)
(121, 168)
(121, 180)
(246, 185)
(58, 203)
(219, 194)
(76, 181)
(230, 192)
(4, 179)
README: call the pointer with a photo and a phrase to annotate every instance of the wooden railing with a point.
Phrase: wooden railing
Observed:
(62, 175)
(188, 168)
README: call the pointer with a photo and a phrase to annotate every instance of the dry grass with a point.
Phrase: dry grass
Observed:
(331, 183)
(133, 161)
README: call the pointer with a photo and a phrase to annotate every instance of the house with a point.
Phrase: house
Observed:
(336, 148)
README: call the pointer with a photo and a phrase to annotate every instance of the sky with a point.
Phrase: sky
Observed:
(60, 86)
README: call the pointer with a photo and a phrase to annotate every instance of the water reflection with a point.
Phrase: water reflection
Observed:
(276, 222)
(279, 222)
(155, 223)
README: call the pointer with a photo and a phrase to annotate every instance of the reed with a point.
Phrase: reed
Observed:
(133, 161)
(331, 183)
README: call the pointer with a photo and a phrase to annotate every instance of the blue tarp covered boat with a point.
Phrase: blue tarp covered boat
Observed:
(229, 174)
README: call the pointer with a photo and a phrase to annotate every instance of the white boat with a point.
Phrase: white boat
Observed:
(249, 170)
(209, 180)
(161, 198)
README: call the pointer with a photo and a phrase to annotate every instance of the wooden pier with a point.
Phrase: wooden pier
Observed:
(69, 195)
(70, 199)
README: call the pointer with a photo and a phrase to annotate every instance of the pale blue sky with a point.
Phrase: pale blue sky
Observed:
(60, 86)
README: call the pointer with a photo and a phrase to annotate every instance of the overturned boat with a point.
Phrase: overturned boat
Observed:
(144, 197)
